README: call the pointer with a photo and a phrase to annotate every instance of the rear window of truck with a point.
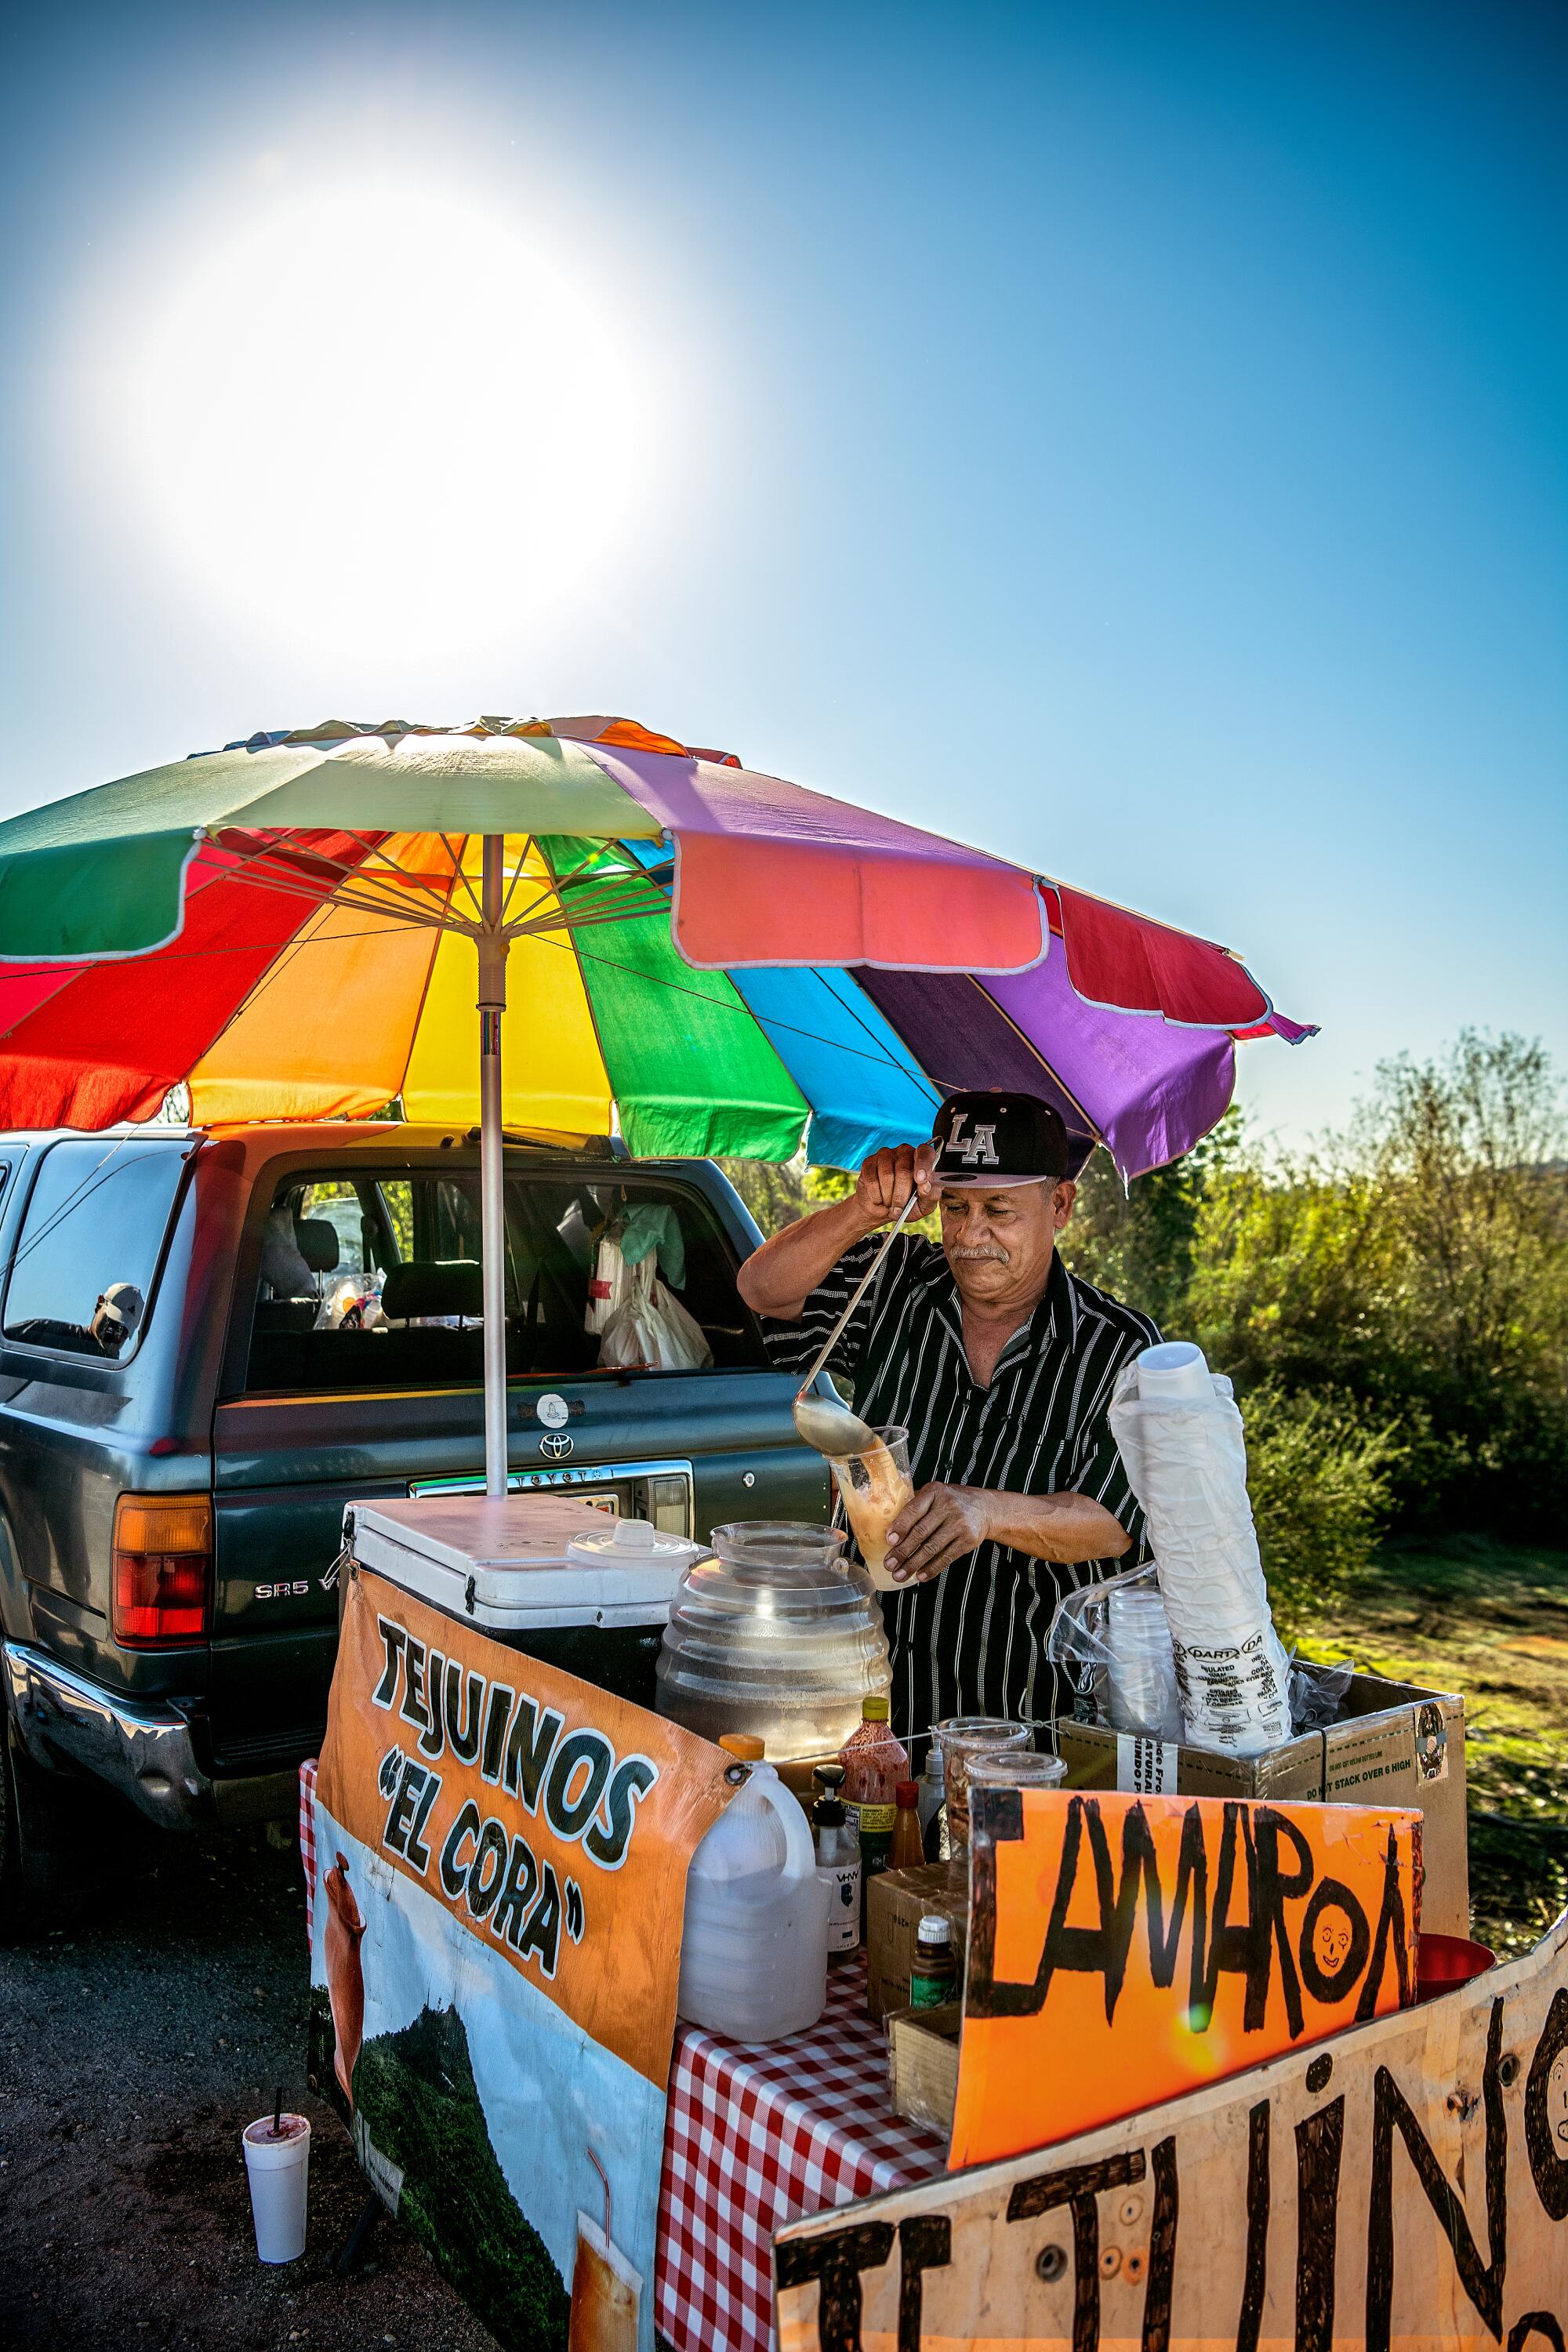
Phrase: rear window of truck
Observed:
(81, 1273)
(372, 1281)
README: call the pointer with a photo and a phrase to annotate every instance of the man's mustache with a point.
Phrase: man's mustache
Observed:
(983, 1249)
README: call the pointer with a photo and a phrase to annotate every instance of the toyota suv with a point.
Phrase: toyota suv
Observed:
(209, 1343)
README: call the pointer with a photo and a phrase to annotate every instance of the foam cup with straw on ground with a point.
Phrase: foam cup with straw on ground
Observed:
(875, 1485)
(277, 2165)
(1180, 1437)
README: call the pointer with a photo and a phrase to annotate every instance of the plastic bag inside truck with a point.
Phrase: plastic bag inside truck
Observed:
(374, 1281)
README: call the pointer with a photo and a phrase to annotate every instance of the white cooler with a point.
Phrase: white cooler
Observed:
(551, 1574)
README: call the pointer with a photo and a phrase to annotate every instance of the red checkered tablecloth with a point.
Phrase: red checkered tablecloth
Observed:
(756, 2135)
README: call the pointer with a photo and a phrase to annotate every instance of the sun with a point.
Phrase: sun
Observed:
(379, 412)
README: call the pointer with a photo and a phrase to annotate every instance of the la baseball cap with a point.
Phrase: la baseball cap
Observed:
(986, 1140)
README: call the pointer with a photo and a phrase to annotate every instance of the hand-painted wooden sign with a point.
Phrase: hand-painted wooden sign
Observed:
(1403, 2187)
(1123, 1948)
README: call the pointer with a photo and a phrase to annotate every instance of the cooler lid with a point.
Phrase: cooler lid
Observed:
(466, 1532)
(502, 1560)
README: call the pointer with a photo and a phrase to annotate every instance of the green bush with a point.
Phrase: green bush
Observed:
(1317, 1470)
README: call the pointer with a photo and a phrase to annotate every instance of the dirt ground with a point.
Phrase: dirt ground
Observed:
(133, 2051)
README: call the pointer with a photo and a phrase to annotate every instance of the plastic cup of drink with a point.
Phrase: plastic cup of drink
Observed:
(277, 2165)
(1176, 1369)
(961, 1738)
(606, 2295)
(874, 1490)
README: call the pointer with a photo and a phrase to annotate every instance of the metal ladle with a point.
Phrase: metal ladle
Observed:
(826, 1423)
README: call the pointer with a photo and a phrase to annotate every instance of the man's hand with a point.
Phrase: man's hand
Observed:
(888, 1178)
(936, 1527)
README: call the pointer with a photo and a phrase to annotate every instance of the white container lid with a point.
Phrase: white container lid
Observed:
(633, 1544)
(1176, 1367)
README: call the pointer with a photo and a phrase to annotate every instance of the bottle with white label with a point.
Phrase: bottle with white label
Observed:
(837, 1866)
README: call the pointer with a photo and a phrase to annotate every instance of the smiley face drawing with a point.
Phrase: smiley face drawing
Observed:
(1332, 1940)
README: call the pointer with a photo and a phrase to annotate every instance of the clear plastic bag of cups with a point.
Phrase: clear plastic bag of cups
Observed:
(1111, 1644)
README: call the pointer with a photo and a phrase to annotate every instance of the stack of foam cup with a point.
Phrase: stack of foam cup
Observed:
(1181, 1440)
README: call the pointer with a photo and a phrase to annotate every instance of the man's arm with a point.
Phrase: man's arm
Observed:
(940, 1524)
(777, 1279)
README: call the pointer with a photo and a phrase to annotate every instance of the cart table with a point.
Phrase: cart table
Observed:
(756, 2135)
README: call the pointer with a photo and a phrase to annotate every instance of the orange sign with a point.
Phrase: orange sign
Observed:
(551, 1820)
(1124, 1949)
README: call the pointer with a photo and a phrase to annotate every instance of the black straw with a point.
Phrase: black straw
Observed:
(277, 2113)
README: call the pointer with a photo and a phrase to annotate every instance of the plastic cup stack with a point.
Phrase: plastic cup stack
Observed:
(1181, 1439)
(1141, 1691)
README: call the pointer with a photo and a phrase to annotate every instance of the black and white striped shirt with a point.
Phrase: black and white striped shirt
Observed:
(972, 1640)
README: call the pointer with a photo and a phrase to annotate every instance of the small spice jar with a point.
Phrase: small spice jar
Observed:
(933, 1977)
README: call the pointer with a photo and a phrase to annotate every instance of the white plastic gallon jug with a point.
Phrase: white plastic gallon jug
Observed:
(754, 1955)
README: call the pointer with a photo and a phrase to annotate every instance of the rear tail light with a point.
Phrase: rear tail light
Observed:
(163, 1557)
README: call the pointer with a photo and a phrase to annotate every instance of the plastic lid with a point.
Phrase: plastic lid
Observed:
(908, 1792)
(873, 1708)
(935, 1929)
(828, 1813)
(744, 1744)
(631, 1543)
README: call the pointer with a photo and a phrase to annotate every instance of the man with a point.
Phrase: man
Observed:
(115, 1316)
(1000, 1364)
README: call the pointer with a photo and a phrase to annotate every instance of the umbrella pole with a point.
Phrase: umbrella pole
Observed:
(493, 945)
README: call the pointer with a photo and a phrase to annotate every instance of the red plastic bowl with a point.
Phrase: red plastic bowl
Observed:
(1444, 1961)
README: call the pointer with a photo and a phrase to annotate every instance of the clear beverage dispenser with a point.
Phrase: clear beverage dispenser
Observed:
(776, 1635)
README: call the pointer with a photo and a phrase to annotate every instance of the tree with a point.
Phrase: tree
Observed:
(1137, 1240)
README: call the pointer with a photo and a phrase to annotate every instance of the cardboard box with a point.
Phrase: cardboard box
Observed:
(1396, 1745)
(923, 2064)
(896, 1902)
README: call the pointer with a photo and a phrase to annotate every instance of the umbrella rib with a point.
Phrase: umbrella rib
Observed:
(791, 1028)
(440, 894)
(199, 955)
(359, 871)
(620, 897)
(516, 878)
(361, 896)
(608, 910)
(459, 875)
(1055, 1075)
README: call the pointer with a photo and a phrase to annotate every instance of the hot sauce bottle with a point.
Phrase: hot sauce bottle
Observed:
(909, 1846)
(874, 1763)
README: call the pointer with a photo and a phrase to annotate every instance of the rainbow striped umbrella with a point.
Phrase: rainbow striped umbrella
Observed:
(716, 959)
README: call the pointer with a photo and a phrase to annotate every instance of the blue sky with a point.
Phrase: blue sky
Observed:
(1131, 437)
